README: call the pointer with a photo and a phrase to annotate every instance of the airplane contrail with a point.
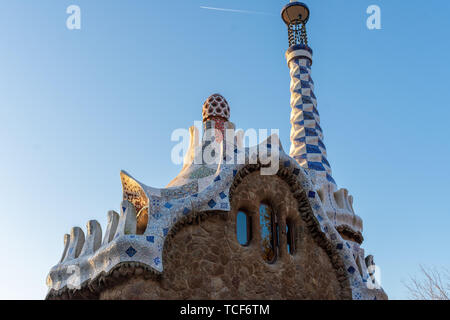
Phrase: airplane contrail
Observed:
(235, 10)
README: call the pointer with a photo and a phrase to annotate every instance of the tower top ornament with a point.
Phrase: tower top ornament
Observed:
(296, 15)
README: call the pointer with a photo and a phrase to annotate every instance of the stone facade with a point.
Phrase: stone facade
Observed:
(221, 268)
(203, 258)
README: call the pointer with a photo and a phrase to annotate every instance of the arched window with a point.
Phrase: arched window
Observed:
(243, 228)
(290, 235)
(269, 232)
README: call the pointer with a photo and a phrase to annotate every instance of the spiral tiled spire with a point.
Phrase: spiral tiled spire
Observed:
(307, 145)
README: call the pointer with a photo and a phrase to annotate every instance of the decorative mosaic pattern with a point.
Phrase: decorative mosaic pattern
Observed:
(218, 123)
(202, 172)
(181, 191)
(216, 106)
(133, 192)
(307, 146)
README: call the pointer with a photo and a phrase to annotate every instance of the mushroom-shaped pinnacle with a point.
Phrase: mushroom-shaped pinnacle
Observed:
(216, 106)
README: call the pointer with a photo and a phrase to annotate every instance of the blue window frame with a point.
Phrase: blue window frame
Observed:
(243, 228)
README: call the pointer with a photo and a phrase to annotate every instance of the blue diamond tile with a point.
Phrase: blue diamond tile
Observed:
(321, 144)
(157, 260)
(165, 231)
(319, 217)
(310, 132)
(311, 194)
(351, 270)
(304, 84)
(308, 115)
(150, 239)
(157, 215)
(217, 179)
(325, 161)
(340, 246)
(330, 178)
(315, 110)
(310, 148)
(316, 166)
(234, 173)
(307, 100)
(168, 205)
(195, 195)
(124, 208)
(287, 163)
(222, 195)
(131, 251)
(186, 211)
(211, 203)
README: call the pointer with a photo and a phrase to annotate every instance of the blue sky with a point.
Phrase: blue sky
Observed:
(78, 106)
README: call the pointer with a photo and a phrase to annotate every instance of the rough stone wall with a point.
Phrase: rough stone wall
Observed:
(204, 260)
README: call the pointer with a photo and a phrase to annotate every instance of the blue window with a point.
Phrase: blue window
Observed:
(243, 228)
(269, 233)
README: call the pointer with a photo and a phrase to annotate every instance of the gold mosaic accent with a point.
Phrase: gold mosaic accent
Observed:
(133, 192)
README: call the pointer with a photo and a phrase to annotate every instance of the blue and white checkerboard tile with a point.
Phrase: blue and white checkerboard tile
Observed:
(306, 134)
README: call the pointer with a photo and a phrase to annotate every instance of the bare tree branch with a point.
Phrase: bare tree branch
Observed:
(433, 284)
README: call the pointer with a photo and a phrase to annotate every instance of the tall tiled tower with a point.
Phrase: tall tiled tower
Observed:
(307, 145)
